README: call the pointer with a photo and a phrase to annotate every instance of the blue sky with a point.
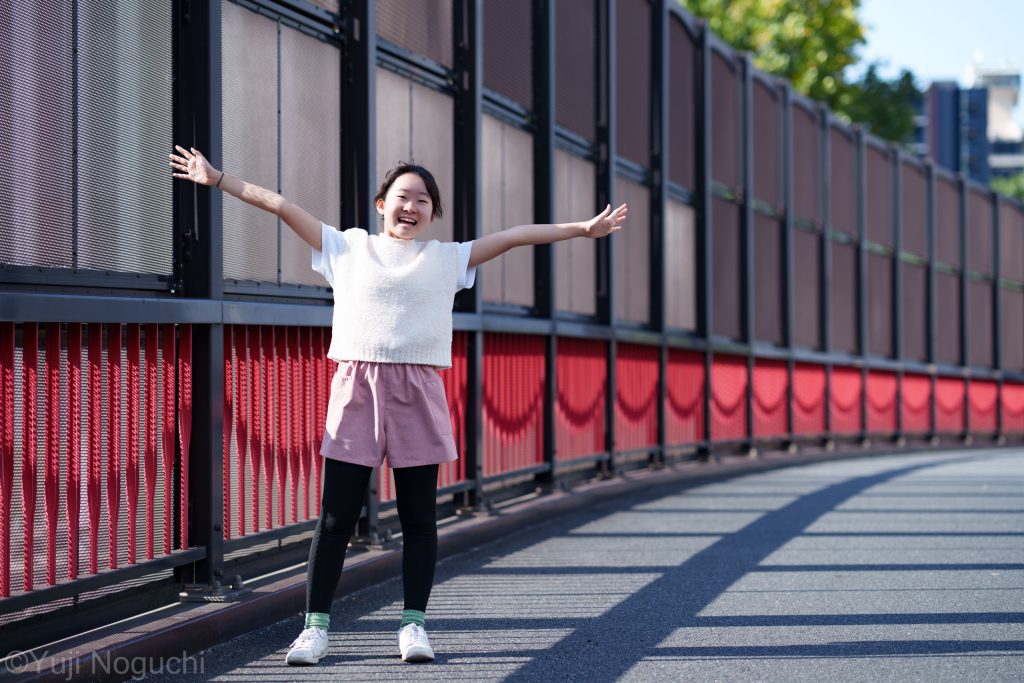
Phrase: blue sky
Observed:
(938, 39)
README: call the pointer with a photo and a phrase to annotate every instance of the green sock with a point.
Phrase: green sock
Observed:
(318, 620)
(412, 616)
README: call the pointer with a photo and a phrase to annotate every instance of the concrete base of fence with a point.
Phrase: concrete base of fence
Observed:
(176, 634)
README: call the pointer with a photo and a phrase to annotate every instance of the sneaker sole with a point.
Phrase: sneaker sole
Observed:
(301, 661)
(418, 655)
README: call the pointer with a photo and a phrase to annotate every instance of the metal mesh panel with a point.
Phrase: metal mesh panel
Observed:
(806, 164)
(878, 196)
(947, 321)
(432, 134)
(422, 26)
(125, 216)
(394, 127)
(727, 301)
(843, 298)
(980, 234)
(979, 324)
(914, 209)
(807, 289)
(35, 107)
(507, 199)
(914, 317)
(507, 50)
(843, 179)
(947, 222)
(310, 143)
(680, 266)
(767, 145)
(633, 79)
(682, 158)
(575, 66)
(1011, 242)
(574, 259)
(768, 276)
(725, 129)
(250, 127)
(880, 304)
(632, 257)
(1011, 319)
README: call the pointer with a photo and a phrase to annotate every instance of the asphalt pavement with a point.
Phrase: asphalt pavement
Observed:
(897, 567)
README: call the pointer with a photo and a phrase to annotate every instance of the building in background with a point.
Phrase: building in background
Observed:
(972, 130)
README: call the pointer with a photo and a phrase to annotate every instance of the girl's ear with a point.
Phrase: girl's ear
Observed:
(380, 206)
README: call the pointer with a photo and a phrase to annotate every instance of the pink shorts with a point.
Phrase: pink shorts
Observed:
(393, 408)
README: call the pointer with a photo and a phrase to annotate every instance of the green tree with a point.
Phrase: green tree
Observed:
(811, 43)
(1011, 185)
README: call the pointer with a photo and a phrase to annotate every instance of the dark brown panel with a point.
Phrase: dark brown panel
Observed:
(947, 222)
(878, 197)
(727, 281)
(767, 145)
(575, 57)
(36, 129)
(768, 278)
(1011, 313)
(807, 289)
(979, 324)
(725, 129)
(843, 298)
(422, 26)
(680, 266)
(880, 304)
(843, 179)
(633, 79)
(914, 209)
(507, 50)
(632, 258)
(979, 233)
(947, 322)
(1011, 242)
(574, 180)
(682, 159)
(806, 164)
(915, 312)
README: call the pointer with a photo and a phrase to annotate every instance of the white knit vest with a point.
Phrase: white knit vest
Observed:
(393, 300)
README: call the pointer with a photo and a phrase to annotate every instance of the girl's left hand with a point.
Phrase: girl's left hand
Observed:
(606, 222)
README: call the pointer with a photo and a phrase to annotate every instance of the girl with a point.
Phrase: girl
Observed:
(392, 330)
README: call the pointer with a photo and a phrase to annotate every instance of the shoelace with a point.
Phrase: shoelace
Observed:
(418, 635)
(308, 637)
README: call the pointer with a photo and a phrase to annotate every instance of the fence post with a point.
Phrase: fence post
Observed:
(197, 122)
(825, 305)
(747, 260)
(705, 266)
(897, 284)
(659, 203)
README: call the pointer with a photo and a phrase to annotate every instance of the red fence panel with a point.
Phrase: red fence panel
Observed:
(582, 371)
(809, 403)
(684, 396)
(6, 452)
(983, 399)
(513, 402)
(881, 389)
(771, 386)
(728, 398)
(636, 397)
(916, 402)
(1012, 403)
(949, 405)
(845, 386)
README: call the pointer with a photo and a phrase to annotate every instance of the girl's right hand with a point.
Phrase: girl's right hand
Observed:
(192, 165)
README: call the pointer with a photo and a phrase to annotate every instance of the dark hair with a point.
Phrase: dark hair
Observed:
(428, 180)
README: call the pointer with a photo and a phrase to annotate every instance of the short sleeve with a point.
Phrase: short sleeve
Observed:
(332, 244)
(467, 275)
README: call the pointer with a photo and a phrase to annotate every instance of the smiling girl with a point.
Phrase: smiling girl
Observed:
(391, 332)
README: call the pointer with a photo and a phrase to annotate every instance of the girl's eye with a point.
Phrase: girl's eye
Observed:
(423, 201)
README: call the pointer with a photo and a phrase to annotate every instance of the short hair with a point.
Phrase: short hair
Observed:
(428, 180)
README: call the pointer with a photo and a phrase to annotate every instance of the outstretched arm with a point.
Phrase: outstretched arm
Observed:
(192, 165)
(496, 244)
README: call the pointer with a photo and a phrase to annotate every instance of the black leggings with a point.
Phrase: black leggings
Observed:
(344, 488)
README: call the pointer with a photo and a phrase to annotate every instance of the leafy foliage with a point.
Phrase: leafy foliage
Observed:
(1011, 185)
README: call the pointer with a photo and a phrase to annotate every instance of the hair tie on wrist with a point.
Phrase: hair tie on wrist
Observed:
(220, 179)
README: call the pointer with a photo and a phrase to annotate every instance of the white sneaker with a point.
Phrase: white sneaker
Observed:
(309, 648)
(413, 643)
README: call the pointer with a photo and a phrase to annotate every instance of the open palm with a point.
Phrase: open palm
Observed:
(606, 222)
(192, 165)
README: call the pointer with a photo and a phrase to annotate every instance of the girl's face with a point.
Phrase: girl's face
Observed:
(406, 208)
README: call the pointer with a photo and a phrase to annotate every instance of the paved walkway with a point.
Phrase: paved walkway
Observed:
(903, 568)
